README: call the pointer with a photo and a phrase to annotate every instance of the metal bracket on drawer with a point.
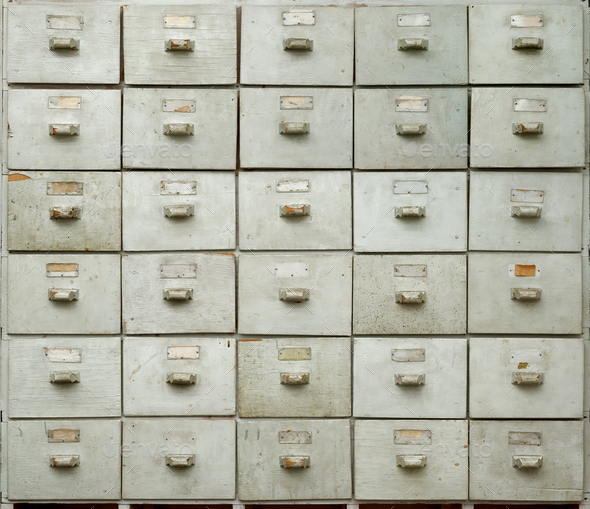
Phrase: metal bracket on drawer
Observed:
(412, 211)
(529, 378)
(412, 44)
(414, 379)
(63, 294)
(410, 129)
(64, 129)
(73, 212)
(297, 44)
(179, 45)
(525, 211)
(527, 43)
(296, 210)
(294, 127)
(410, 297)
(180, 460)
(294, 294)
(64, 377)
(294, 461)
(295, 378)
(527, 128)
(64, 460)
(64, 43)
(179, 210)
(181, 378)
(179, 129)
(178, 293)
(408, 461)
(525, 294)
(526, 462)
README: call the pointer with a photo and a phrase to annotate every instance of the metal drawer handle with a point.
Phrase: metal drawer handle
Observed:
(527, 461)
(180, 460)
(294, 378)
(295, 210)
(63, 294)
(527, 128)
(527, 43)
(525, 294)
(178, 293)
(64, 43)
(64, 460)
(64, 377)
(293, 127)
(412, 44)
(529, 378)
(293, 294)
(179, 129)
(412, 211)
(410, 129)
(64, 129)
(179, 210)
(63, 212)
(525, 211)
(407, 461)
(410, 297)
(417, 379)
(298, 44)
(181, 378)
(179, 45)
(294, 461)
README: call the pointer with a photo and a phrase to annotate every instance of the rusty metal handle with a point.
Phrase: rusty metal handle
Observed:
(178, 129)
(63, 212)
(64, 460)
(527, 128)
(179, 45)
(297, 44)
(519, 378)
(410, 461)
(413, 211)
(412, 44)
(294, 294)
(296, 210)
(410, 129)
(63, 294)
(414, 379)
(64, 129)
(526, 462)
(295, 378)
(181, 378)
(525, 294)
(525, 211)
(527, 43)
(410, 297)
(64, 377)
(64, 43)
(180, 460)
(294, 461)
(178, 293)
(179, 210)
(294, 127)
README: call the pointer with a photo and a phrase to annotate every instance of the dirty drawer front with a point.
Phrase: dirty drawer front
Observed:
(185, 129)
(64, 460)
(294, 377)
(64, 294)
(405, 211)
(295, 210)
(411, 460)
(526, 460)
(411, 45)
(516, 293)
(178, 293)
(179, 376)
(409, 294)
(63, 44)
(64, 211)
(410, 378)
(512, 211)
(296, 128)
(527, 128)
(179, 459)
(297, 45)
(64, 129)
(526, 378)
(64, 377)
(294, 460)
(180, 45)
(295, 295)
(177, 212)
(410, 129)
(529, 44)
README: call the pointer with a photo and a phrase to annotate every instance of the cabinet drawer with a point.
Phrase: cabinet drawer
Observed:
(295, 210)
(294, 377)
(191, 210)
(64, 294)
(410, 378)
(174, 376)
(516, 293)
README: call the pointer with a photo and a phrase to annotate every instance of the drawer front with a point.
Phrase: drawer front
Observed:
(179, 45)
(186, 129)
(291, 46)
(294, 377)
(64, 211)
(404, 129)
(176, 212)
(64, 377)
(526, 378)
(527, 128)
(295, 128)
(410, 378)
(529, 211)
(409, 294)
(178, 293)
(294, 460)
(526, 460)
(405, 211)
(64, 460)
(295, 210)
(179, 459)
(528, 43)
(411, 45)
(298, 295)
(64, 294)
(83, 42)
(174, 376)
(389, 456)
(517, 293)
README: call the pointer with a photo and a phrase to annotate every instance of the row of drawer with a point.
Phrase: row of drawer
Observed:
(296, 377)
(295, 210)
(196, 45)
(512, 293)
(296, 128)
(296, 460)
